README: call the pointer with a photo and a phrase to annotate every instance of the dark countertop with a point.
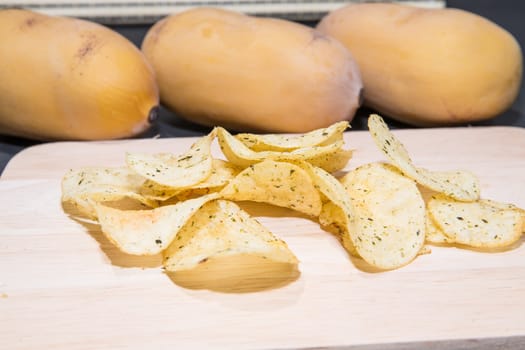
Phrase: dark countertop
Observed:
(508, 14)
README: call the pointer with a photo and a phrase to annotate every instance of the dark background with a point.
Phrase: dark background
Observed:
(508, 14)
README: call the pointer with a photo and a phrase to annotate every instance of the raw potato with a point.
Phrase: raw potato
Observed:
(429, 66)
(64, 78)
(216, 67)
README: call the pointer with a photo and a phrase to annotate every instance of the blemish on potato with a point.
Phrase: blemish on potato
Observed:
(86, 48)
(30, 22)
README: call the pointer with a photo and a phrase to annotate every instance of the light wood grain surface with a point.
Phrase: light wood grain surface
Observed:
(64, 286)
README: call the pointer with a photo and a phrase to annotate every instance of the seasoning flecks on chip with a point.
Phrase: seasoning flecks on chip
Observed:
(461, 185)
(220, 228)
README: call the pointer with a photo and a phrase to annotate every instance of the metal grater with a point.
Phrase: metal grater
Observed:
(148, 11)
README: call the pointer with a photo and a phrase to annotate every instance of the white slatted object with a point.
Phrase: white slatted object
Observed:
(148, 11)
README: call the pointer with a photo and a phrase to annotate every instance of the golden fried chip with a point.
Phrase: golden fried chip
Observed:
(341, 214)
(390, 215)
(461, 185)
(147, 232)
(240, 155)
(284, 143)
(220, 228)
(85, 186)
(480, 224)
(173, 171)
(222, 172)
(278, 183)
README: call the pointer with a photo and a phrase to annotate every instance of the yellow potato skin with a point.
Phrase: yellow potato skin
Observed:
(429, 66)
(64, 79)
(217, 67)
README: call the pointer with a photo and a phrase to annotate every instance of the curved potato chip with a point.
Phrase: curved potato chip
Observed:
(85, 186)
(278, 183)
(343, 212)
(180, 171)
(390, 215)
(461, 185)
(332, 162)
(219, 229)
(508, 206)
(155, 191)
(425, 250)
(434, 234)
(222, 172)
(240, 155)
(333, 218)
(331, 214)
(147, 232)
(480, 224)
(282, 142)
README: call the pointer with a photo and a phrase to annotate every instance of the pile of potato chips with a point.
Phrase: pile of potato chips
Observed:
(183, 206)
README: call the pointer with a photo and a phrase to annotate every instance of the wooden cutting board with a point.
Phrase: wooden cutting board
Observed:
(64, 286)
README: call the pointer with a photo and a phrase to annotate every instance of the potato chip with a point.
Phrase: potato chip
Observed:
(147, 232)
(461, 185)
(333, 219)
(240, 155)
(180, 171)
(390, 215)
(508, 206)
(155, 191)
(85, 186)
(425, 250)
(332, 162)
(332, 215)
(480, 224)
(219, 229)
(222, 172)
(284, 143)
(278, 183)
(434, 234)
(341, 213)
